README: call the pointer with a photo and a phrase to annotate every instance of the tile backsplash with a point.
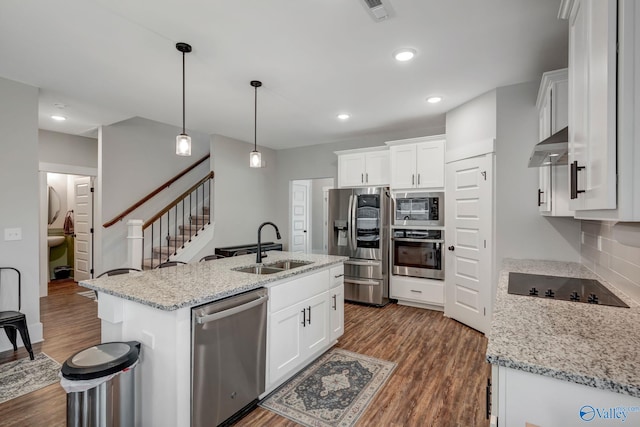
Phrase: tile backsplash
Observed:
(613, 252)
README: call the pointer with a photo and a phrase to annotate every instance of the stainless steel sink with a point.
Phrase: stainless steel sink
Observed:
(274, 267)
(288, 264)
(259, 269)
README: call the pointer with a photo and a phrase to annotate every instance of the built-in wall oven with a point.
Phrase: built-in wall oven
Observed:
(418, 209)
(418, 252)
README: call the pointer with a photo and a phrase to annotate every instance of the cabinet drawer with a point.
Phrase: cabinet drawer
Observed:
(337, 275)
(299, 289)
(421, 290)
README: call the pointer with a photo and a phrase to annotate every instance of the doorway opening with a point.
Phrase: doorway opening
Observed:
(308, 212)
(66, 213)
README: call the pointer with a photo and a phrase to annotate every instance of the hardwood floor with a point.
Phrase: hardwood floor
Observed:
(439, 381)
(70, 324)
(441, 374)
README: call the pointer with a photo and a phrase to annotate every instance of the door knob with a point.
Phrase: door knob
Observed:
(451, 248)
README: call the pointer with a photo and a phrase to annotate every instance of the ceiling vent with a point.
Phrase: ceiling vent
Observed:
(379, 10)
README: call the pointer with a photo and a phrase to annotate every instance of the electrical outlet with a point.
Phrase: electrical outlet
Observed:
(12, 234)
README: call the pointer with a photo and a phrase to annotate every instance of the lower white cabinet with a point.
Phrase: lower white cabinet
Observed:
(306, 316)
(522, 397)
(414, 291)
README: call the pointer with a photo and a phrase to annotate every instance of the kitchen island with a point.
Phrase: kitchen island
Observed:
(561, 363)
(154, 308)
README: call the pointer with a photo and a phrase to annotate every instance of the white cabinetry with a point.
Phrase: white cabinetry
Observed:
(417, 163)
(336, 302)
(604, 99)
(592, 104)
(522, 397)
(553, 189)
(416, 292)
(363, 167)
(306, 316)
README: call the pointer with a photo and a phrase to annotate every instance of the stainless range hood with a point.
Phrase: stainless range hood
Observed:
(552, 151)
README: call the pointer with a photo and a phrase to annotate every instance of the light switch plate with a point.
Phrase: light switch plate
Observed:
(13, 234)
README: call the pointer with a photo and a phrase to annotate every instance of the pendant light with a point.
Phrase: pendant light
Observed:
(183, 141)
(255, 158)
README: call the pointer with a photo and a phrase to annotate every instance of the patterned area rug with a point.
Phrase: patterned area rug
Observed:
(25, 375)
(88, 294)
(333, 391)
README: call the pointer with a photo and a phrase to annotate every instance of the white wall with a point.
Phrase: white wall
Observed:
(62, 148)
(472, 122)
(521, 231)
(20, 200)
(244, 197)
(135, 157)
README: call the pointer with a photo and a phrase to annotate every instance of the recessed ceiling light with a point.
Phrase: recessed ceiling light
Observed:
(343, 116)
(434, 99)
(403, 55)
(58, 118)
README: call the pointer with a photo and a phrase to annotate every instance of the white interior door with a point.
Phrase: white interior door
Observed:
(468, 263)
(83, 225)
(300, 237)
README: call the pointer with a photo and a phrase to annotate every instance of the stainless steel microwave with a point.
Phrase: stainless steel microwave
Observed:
(418, 209)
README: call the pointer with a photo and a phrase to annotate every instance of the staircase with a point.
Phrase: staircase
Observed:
(172, 244)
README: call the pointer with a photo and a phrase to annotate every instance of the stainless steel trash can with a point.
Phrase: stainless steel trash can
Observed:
(104, 378)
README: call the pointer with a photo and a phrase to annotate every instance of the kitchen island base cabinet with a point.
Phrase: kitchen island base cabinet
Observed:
(523, 397)
(306, 318)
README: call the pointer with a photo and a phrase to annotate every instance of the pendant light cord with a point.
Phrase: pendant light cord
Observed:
(183, 96)
(255, 120)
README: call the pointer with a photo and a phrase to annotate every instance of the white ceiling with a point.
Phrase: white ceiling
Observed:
(109, 60)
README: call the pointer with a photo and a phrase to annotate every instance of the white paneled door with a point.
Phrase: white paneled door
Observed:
(83, 225)
(300, 238)
(469, 260)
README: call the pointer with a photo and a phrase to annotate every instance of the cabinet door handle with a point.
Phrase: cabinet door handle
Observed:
(413, 179)
(367, 176)
(574, 179)
(416, 291)
(335, 302)
(418, 179)
(304, 317)
(540, 193)
(309, 319)
(362, 178)
(338, 275)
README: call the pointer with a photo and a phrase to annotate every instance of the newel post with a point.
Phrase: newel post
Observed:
(134, 243)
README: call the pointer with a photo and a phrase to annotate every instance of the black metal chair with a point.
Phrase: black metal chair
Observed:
(170, 264)
(15, 320)
(211, 257)
(116, 271)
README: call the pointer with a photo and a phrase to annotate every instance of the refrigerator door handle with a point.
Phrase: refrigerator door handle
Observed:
(354, 206)
(349, 222)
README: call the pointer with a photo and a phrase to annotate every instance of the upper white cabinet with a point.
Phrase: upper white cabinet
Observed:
(604, 102)
(417, 163)
(553, 189)
(361, 168)
(592, 104)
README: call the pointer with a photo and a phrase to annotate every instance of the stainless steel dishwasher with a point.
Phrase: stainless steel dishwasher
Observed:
(227, 357)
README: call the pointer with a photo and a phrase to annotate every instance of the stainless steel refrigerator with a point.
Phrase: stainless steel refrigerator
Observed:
(359, 229)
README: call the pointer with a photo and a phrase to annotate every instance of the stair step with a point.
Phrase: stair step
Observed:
(205, 210)
(190, 230)
(199, 219)
(177, 240)
(164, 250)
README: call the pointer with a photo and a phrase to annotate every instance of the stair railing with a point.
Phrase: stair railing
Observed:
(149, 196)
(184, 214)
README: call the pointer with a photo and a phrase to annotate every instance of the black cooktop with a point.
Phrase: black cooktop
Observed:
(588, 291)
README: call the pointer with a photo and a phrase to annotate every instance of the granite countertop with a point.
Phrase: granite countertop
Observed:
(597, 346)
(193, 284)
